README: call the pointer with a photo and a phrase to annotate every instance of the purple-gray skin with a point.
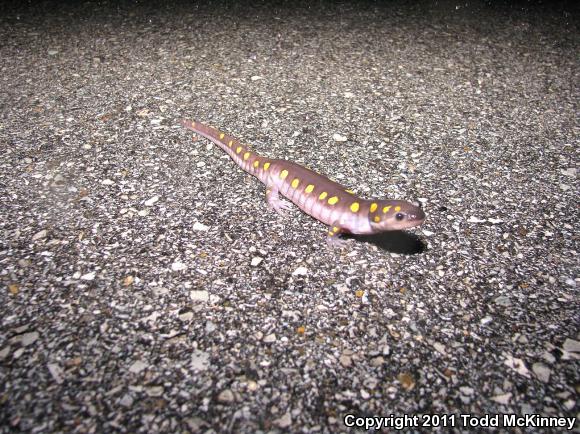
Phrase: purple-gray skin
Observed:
(315, 194)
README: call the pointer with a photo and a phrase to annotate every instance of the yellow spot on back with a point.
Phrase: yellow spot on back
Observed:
(283, 174)
(373, 207)
(349, 191)
(222, 136)
(256, 163)
(246, 155)
(295, 182)
(323, 195)
(333, 200)
(266, 166)
(386, 209)
(238, 149)
(397, 208)
(231, 142)
(354, 207)
(309, 188)
(377, 219)
(335, 229)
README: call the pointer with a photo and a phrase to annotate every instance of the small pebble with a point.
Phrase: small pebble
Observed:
(199, 295)
(542, 372)
(199, 360)
(138, 366)
(151, 201)
(197, 226)
(283, 422)
(29, 338)
(226, 396)
(178, 266)
(300, 271)
(40, 235)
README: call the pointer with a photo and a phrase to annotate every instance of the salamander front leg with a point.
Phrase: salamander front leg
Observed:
(333, 238)
(274, 201)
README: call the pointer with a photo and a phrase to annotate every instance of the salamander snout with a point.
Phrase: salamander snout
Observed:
(417, 214)
(395, 215)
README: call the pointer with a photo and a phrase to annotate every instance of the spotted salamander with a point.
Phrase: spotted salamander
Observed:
(315, 194)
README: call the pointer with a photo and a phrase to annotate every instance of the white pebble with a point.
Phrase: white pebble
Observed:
(502, 399)
(473, 219)
(226, 396)
(40, 235)
(29, 338)
(57, 372)
(517, 365)
(571, 172)
(300, 271)
(197, 226)
(284, 421)
(126, 400)
(138, 366)
(88, 276)
(542, 372)
(257, 260)
(199, 360)
(178, 266)
(151, 201)
(199, 295)
(154, 391)
(339, 138)
(571, 346)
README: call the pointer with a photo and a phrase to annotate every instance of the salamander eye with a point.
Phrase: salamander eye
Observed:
(400, 216)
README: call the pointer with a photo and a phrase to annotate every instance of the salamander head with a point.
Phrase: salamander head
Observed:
(395, 215)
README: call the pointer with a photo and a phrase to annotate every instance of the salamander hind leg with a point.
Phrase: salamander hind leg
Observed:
(333, 237)
(274, 201)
